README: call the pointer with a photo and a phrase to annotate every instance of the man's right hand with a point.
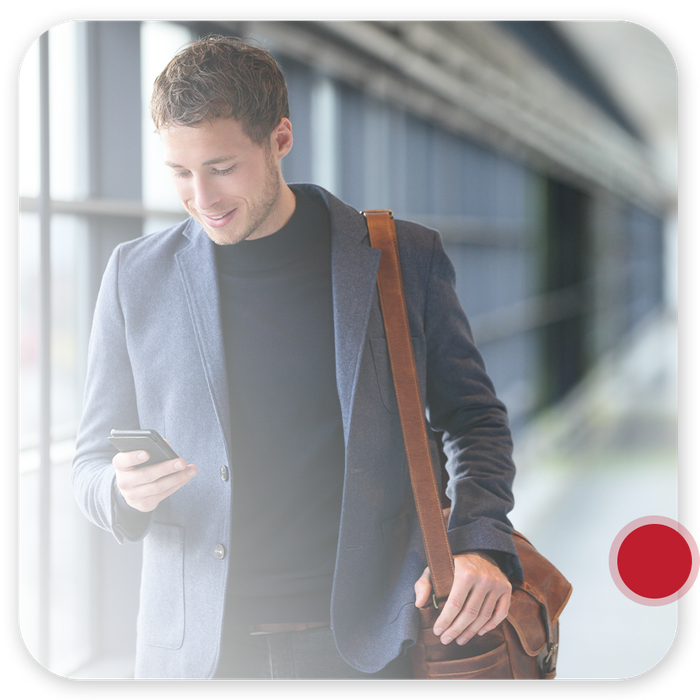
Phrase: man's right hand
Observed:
(143, 488)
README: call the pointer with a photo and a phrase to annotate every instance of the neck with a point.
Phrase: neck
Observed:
(288, 204)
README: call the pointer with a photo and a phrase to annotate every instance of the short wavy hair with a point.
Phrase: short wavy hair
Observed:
(221, 77)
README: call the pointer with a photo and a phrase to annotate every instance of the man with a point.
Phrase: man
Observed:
(283, 542)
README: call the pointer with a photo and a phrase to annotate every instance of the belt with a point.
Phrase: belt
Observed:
(274, 628)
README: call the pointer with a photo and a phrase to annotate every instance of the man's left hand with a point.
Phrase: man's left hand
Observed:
(478, 601)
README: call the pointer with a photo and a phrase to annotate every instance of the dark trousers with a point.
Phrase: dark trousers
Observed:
(309, 654)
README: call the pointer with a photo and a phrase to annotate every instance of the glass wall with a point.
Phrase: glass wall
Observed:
(86, 178)
(66, 345)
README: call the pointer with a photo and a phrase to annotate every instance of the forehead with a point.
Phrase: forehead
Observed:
(208, 139)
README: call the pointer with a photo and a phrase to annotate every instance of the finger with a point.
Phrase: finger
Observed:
(129, 460)
(423, 589)
(478, 585)
(128, 478)
(493, 611)
(153, 472)
(146, 496)
(477, 610)
(145, 491)
(499, 614)
(477, 614)
(452, 608)
(453, 618)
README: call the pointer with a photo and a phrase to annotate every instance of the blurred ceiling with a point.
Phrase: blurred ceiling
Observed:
(639, 70)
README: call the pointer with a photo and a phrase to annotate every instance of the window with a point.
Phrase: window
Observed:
(62, 569)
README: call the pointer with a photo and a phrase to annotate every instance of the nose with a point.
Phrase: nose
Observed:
(206, 194)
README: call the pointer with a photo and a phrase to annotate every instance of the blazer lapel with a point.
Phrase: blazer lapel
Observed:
(197, 264)
(354, 271)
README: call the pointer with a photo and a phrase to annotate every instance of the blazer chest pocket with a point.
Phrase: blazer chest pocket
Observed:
(382, 366)
(161, 618)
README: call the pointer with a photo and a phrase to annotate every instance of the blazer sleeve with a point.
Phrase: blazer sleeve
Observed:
(109, 402)
(462, 404)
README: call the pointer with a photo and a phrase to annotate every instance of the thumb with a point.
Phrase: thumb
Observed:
(423, 589)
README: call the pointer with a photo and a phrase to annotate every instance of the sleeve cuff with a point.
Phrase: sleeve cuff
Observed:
(129, 523)
(498, 544)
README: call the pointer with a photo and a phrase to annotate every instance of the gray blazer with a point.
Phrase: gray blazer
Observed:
(156, 360)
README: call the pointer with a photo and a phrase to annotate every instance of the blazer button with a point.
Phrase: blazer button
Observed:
(224, 473)
(219, 551)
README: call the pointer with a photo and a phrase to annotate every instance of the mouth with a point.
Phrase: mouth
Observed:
(218, 220)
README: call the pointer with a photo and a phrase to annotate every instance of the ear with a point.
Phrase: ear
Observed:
(281, 138)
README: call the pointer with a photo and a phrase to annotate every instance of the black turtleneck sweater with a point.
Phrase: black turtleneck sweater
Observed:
(287, 436)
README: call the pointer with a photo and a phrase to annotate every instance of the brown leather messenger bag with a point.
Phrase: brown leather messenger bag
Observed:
(525, 644)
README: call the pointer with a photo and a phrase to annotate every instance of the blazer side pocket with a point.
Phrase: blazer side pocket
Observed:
(161, 618)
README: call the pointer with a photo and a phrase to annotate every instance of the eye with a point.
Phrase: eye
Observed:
(226, 171)
(181, 173)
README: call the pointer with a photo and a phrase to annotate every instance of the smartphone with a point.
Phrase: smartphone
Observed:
(149, 440)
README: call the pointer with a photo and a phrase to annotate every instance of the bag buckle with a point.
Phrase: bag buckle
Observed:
(434, 602)
(377, 211)
(550, 653)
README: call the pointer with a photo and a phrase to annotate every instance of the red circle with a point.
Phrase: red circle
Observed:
(654, 561)
(695, 554)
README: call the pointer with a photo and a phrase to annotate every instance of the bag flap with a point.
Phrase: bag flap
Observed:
(540, 597)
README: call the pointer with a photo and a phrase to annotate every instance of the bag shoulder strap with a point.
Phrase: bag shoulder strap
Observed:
(382, 232)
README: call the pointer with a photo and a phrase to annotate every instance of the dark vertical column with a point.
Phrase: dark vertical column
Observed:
(566, 266)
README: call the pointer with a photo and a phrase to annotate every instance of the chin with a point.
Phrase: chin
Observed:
(222, 238)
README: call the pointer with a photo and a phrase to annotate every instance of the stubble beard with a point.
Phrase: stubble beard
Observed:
(259, 209)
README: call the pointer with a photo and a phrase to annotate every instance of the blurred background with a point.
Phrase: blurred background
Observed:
(546, 155)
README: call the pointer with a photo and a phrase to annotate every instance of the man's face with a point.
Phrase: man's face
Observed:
(228, 183)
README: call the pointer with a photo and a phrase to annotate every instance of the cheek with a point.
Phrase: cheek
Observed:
(183, 188)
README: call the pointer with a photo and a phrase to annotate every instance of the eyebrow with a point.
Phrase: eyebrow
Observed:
(212, 161)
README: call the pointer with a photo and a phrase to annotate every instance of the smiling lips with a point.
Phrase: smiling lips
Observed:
(219, 220)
